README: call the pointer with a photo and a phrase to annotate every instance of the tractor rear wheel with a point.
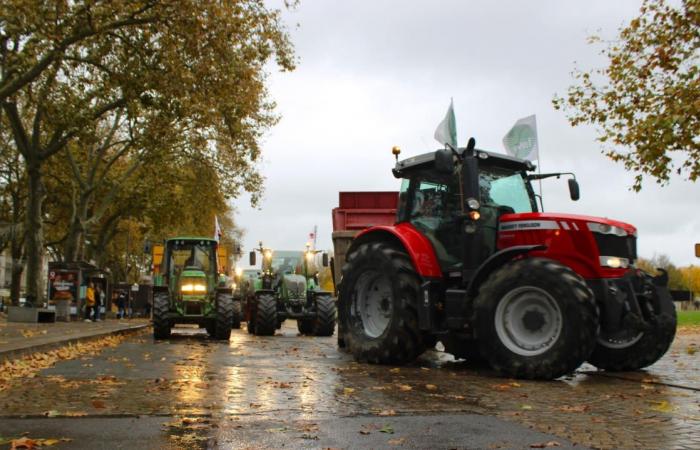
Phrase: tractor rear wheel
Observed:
(265, 315)
(236, 321)
(224, 316)
(377, 305)
(326, 312)
(535, 318)
(161, 308)
(629, 350)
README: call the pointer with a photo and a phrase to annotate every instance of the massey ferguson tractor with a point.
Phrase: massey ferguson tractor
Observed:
(187, 288)
(472, 263)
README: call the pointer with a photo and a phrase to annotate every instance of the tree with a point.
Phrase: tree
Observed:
(645, 103)
(198, 65)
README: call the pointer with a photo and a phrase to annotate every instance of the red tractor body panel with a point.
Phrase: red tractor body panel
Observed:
(416, 244)
(566, 236)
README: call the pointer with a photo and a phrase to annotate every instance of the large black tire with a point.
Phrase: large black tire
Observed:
(377, 305)
(265, 315)
(326, 313)
(224, 316)
(161, 308)
(629, 350)
(535, 318)
(236, 321)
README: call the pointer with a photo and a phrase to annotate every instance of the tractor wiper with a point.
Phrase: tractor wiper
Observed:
(542, 176)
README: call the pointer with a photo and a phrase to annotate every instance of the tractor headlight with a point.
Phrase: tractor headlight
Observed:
(473, 203)
(239, 271)
(193, 288)
(267, 254)
(614, 262)
(604, 228)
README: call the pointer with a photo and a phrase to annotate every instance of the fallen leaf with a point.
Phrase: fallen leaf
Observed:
(662, 406)
(405, 387)
(395, 370)
(386, 429)
(431, 387)
(98, 404)
(574, 409)
(398, 441)
(691, 350)
(365, 432)
(526, 407)
(348, 391)
(387, 412)
(23, 443)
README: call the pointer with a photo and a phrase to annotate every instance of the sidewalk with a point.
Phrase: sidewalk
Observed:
(17, 339)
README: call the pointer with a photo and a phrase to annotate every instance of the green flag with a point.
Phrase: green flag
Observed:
(446, 132)
(521, 140)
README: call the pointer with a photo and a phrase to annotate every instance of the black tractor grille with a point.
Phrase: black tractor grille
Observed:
(193, 308)
(612, 245)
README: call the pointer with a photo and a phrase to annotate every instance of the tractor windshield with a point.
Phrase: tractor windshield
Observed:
(503, 189)
(286, 261)
(192, 255)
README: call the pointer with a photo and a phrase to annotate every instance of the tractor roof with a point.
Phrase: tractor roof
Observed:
(498, 159)
(190, 238)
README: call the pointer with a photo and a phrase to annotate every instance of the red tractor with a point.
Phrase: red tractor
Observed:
(470, 262)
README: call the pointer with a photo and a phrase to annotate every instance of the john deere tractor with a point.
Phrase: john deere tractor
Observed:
(187, 288)
(287, 288)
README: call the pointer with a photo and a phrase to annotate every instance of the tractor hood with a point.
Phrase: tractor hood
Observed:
(541, 221)
(295, 285)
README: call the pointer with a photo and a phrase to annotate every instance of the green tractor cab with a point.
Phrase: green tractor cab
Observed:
(287, 288)
(187, 288)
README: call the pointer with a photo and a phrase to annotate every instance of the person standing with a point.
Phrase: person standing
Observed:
(89, 301)
(121, 305)
(101, 300)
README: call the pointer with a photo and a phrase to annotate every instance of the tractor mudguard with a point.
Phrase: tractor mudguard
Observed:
(418, 247)
(224, 290)
(160, 289)
(265, 291)
(497, 260)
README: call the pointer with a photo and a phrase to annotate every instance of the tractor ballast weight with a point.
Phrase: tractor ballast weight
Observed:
(187, 288)
(472, 263)
(288, 288)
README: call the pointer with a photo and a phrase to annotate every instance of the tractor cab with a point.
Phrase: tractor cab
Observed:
(191, 268)
(456, 198)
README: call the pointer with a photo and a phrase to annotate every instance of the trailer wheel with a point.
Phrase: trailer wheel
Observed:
(236, 321)
(535, 318)
(161, 308)
(326, 312)
(265, 315)
(633, 350)
(377, 305)
(224, 316)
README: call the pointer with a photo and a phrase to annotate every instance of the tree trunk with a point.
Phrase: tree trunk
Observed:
(16, 282)
(34, 237)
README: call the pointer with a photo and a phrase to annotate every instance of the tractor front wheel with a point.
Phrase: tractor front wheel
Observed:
(535, 318)
(224, 316)
(265, 315)
(377, 305)
(161, 308)
(326, 312)
(630, 349)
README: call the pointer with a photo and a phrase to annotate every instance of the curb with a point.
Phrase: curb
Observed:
(9, 355)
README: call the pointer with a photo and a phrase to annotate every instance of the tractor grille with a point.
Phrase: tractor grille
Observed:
(612, 245)
(193, 308)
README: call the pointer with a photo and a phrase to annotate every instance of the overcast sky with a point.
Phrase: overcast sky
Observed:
(374, 73)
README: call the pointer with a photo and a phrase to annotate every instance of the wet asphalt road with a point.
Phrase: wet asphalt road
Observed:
(289, 391)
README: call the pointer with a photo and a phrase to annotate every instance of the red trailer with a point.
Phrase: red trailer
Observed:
(357, 211)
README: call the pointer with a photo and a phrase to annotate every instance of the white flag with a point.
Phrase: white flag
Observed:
(521, 140)
(217, 229)
(446, 132)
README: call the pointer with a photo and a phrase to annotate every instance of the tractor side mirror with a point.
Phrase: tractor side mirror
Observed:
(251, 258)
(697, 250)
(574, 189)
(324, 259)
(444, 162)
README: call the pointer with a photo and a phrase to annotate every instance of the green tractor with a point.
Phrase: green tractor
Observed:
(287, 288)
(187, 288)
